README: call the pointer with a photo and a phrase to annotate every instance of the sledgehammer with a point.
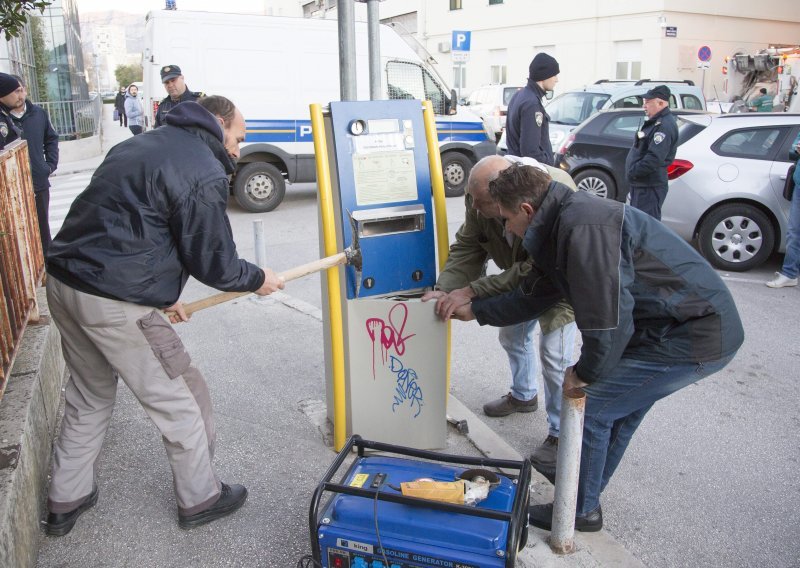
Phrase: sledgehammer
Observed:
(351, 256)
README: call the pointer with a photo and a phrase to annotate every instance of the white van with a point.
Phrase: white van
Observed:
(272, 68)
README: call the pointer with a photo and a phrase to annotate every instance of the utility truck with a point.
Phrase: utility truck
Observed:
(272, 68)
(775, 69)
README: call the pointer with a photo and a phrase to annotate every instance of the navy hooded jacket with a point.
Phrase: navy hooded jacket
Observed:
(154, 214)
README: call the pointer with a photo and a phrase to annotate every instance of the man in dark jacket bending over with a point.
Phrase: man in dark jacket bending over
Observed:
(153, 215)
(653, 314)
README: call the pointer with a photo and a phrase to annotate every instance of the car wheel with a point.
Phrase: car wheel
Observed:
(736, 237)
(455, 170)
(259, 187)
(596, 182)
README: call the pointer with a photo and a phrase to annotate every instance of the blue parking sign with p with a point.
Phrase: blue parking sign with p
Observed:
(460, 40)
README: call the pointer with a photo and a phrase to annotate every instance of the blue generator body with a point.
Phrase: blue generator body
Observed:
(368, 523)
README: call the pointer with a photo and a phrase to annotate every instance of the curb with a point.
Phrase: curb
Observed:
(28, 420)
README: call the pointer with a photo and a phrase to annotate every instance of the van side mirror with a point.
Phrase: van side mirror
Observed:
(453, 102)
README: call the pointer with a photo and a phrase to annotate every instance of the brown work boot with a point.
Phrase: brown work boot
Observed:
(544, 458)
(507, 404)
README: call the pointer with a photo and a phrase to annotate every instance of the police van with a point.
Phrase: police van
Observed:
(273, 68)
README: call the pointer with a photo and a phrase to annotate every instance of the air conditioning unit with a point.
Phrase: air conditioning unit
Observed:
(444, 47)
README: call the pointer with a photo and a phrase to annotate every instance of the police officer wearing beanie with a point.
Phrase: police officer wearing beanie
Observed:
(177, 92)
(8, 130)
(528, 125)
(653, 150)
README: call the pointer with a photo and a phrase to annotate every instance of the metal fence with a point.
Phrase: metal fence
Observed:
(21, 259)
(75, 119)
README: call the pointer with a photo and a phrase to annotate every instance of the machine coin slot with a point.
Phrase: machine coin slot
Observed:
(389, 220)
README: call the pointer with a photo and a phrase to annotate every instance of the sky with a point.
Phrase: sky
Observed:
(144, 6)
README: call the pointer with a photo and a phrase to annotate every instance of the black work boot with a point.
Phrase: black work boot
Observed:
(230, 499)
(59, 524)
(542, 516)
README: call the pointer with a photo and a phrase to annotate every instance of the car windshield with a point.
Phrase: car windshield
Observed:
(574, 108)
(508, 92)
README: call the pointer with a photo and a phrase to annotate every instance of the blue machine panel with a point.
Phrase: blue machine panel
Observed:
(410, 536)
(384, 182)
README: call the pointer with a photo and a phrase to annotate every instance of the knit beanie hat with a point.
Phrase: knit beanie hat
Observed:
(7, 84)
(543, 67)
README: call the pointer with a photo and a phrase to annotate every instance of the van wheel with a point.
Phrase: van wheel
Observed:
(455, 170)
(259, 187)
(596, 182)
(736, 237)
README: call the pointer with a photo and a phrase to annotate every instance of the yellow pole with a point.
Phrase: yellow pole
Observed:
(439, 204)
(334, 294)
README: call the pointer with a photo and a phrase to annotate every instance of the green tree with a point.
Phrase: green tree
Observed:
(127, 74)
(14, 14)
(40, 57)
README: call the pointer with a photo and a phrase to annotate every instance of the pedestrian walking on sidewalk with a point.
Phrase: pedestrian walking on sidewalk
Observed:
(482, 237)
(153, 215)
(653, 315)
(119, 106)
(34, 125)
(790, 270)
(133, 110)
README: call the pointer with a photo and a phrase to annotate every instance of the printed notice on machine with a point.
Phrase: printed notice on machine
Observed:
(385, 177)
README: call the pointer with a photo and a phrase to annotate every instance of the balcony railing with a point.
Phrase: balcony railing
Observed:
(21, 260)
(75, 119)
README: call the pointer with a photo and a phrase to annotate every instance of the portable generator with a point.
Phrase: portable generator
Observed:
(369, 523)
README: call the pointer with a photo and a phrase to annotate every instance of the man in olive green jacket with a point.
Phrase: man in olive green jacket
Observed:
(481, 238)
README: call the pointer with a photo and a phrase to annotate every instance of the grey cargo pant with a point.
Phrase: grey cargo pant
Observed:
(102, 338)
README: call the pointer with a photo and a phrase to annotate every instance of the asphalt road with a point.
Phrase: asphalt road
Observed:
(710, 479)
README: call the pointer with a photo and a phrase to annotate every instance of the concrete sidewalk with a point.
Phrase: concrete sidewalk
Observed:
(269, 396)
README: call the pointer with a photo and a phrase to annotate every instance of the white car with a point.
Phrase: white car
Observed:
(726, 186)
(490, 103)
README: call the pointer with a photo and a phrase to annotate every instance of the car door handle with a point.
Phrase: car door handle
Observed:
(783, 177)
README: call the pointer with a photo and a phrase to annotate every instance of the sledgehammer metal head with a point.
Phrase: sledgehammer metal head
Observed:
(353, 252)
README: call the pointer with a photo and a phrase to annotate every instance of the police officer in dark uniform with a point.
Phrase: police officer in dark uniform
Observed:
(8, 128)
(653, 150)
(177, 92)
(528, 125)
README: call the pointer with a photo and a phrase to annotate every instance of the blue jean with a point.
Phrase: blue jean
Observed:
(555, 349)
(791, 262)
(615, 406)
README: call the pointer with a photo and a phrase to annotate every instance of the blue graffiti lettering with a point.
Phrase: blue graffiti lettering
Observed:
(407, 388)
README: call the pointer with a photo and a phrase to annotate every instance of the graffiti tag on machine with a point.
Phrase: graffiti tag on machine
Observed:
(388, 346)
(388, 334)
(407, 388)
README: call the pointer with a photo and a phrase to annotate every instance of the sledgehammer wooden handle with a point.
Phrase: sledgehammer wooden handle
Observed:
(291, 274)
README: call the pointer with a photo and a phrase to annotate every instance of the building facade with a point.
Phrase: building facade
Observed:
(596, 39)
(65, 74)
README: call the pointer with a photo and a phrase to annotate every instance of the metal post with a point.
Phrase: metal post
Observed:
(565, 501)
(260, 243)
(374, 42)
(347, 50)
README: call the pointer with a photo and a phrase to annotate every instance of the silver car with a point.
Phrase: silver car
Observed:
(726, 186)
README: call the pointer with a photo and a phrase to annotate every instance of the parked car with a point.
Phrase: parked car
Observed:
(594, 153)
(726, 188)
(490, 103)
(570, 109)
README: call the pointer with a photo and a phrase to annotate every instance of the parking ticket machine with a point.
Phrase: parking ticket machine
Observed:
(390, 346)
